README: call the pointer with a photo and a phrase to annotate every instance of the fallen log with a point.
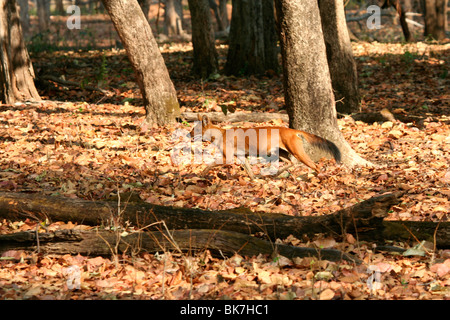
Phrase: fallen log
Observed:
(102, 242)
(363, 218)
(237, 116)
(225, 231)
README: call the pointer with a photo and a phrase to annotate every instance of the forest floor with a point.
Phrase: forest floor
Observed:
(90, 144)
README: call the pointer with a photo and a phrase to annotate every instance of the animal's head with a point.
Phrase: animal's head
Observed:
(201, 128)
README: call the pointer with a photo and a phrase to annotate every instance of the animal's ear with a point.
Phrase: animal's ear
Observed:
(205, 121)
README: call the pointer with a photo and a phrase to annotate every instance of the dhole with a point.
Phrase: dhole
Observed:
(261, 141)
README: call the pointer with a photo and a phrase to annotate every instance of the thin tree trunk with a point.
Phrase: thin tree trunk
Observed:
(158, 92)
(402, 7)
(213, 5)
(270, 36)
(24, 15)
(308, 90)
(43, 12)
(16, 70)
(60, 8)
(224, 14)
(205, 54)
(341, 64)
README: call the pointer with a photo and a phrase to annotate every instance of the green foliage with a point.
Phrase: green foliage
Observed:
(40, 43)
(409, 57)
(102, 70)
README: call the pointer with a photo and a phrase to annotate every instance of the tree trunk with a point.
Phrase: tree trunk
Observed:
(252, 48)
(270, 37)
(402, 7)
(365, 219)
(341, 64)
(213, 5)
(435, 18)
(205, 54)
(224, 14)
(145, 6)
(16, 70)
(358, 218)
(308, 91)
(102, 242)
(60, 8)
(238, 116)
(173, 18)
(43, 12)
(24, 16)
(158, 92)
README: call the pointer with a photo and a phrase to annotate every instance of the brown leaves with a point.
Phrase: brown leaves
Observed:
(200, 276)
(93, 149)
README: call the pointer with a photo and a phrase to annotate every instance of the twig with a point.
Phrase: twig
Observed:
(414, 23)
(38, 226)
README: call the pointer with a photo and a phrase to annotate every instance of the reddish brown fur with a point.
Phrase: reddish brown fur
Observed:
(290, 140)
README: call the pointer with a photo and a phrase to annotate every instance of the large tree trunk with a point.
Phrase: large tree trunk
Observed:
(252, 48)
(308, 91)
(205, 54)
(158, 92)
(341, 64)
(435, 18)
(16, 70)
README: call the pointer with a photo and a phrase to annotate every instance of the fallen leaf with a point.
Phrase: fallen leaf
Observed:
(441, 269)
(326, 294)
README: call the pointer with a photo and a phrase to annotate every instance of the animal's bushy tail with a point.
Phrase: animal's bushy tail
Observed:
(323, 144)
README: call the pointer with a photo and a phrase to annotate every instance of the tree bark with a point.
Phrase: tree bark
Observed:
(224, 14)
(306, 78)
(435, 18)
(60, 8)
(24, 15)
(16, 70)
(215, 8)
(43, 12)
(237, 117)
(173, 18)
(365, 220)
(101, 242)
(205, 54)
(158, 91)
(252, 48)
(341, 64)
(145, 6)
(358, 218)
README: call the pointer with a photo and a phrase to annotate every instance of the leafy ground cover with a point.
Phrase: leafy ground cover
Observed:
(90, 144)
